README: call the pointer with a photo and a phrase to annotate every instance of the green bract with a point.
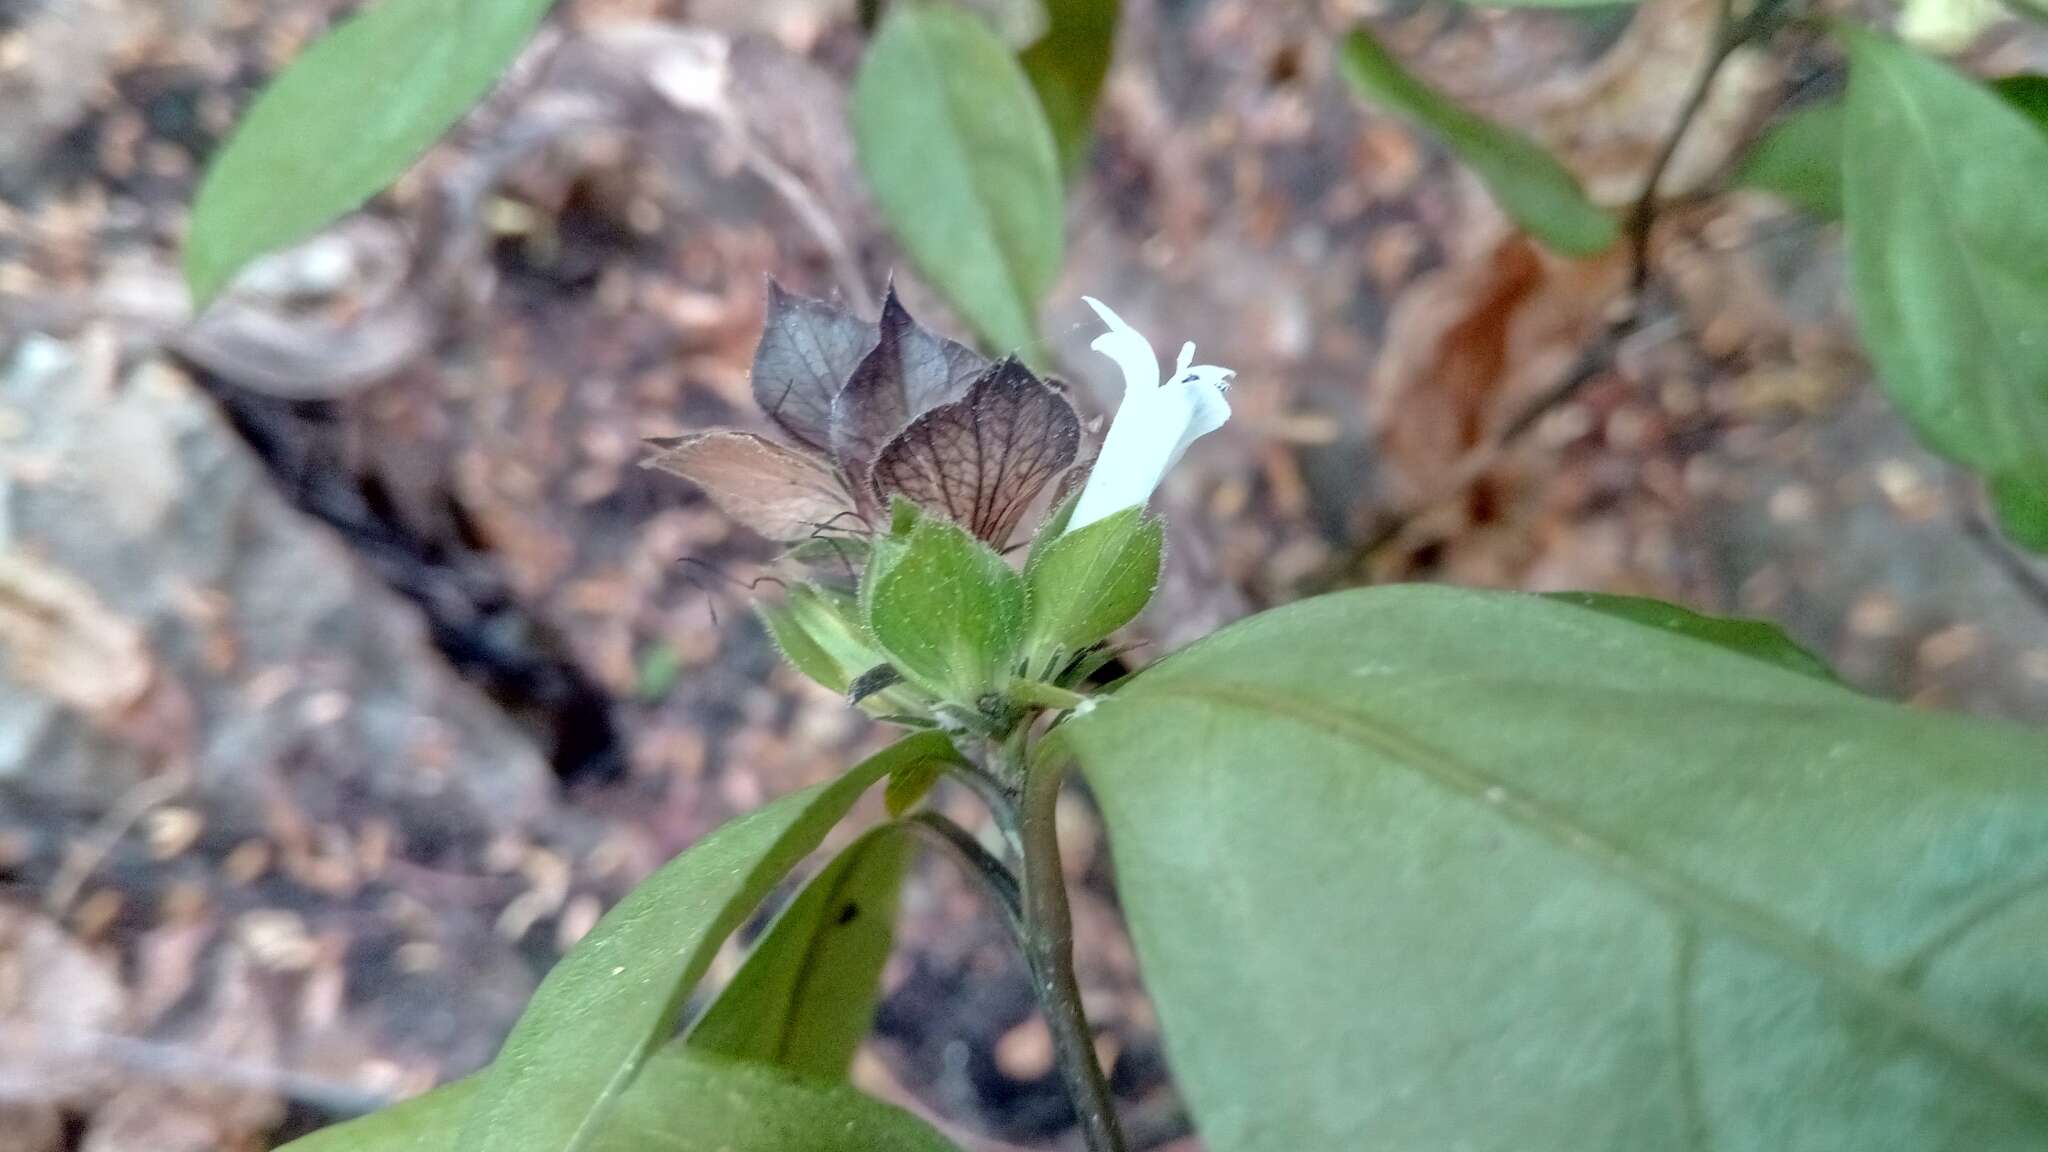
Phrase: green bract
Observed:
(947, 610)
(1085, 585)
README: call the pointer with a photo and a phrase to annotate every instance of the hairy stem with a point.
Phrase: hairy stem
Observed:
(1049, 948)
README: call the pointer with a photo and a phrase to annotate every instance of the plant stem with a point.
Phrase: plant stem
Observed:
(1049, 948)
(1728, 36)
(1044, 695)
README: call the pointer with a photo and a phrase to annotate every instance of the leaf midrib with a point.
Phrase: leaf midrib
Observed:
(1670, 889)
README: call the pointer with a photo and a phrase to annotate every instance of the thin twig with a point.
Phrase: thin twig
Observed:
(997, 882)
(2026, 579)
(1728, 35)
(88, 854)
(1727, 38)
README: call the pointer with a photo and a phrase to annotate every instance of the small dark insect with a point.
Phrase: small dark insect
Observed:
(849, 914)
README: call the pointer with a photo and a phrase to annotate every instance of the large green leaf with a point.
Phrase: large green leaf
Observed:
(1419, 868)
(1948, 254)
(1534, 189)
(616, 996)
(1066, 68)
(1759, 638)
(344, 121)
(683, 1101)
(805, 997)
(961, 160)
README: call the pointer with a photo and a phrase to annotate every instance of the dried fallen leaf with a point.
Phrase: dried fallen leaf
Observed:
(779, 492)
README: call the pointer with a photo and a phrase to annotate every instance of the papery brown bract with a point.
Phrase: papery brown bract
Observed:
(981, 460)
(910, 372)
(782, 493)
(808, 349)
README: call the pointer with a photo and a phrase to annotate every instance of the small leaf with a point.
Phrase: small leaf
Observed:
(910, 371)
(1758, 638)
(1948, 254)
(805, 997)
(909, 786)
(962, 163)
(689, 1102)
(682, 1101)
(425, 1123)
(1066, 68)
(983, 459)
(778, 492)
(1534, 190)
(948, 612)
(343, 121)
(1428, 868)
(808, 350)
(1799, 159)
(2026, 92)
(617, 994)
(2022, 510)
(1087, 584)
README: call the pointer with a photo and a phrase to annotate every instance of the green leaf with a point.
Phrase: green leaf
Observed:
(1425, 868)
(425, 1123)
(909, 786)
(819, 631)
(688, 1102)
(2026, 92)
(805, 997)
(1799, 159)
(962, 163)
(948, 612)
(1087, 584)
(1534, 190)
(617, 995)
(1066, 68)
(345, 120)
(682, 1101)
(2022, 511)
(1759, 638)
(1948, 254)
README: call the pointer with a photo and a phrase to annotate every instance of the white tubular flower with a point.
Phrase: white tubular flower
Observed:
(1155, 423)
